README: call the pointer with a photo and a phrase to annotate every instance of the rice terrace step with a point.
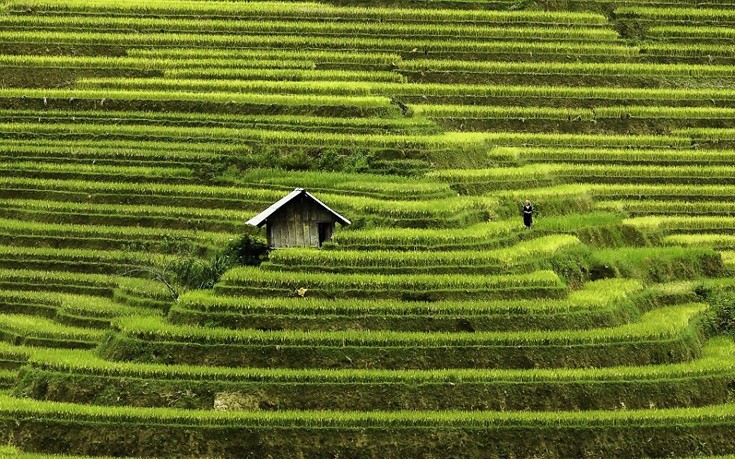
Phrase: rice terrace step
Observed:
(535, 255)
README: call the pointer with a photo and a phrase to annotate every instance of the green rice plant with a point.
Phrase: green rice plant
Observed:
(54, 299)
(435, 89)
(55, 280)
(144, 288)
(662, 323)
(37, 331)
(12, 453)
(69, 152)
(70, 309)
(231, 58)
(569, 209)
(109, 96)
(717, 356)
(716, 241)
(709, 134)
(401, 286)
(602, 95)
(94, 172)
(153, 62)
(683, 208)
(284, 75)
(583, 140)
(16, 228)
(647, 173)
(38, 303)
(594, 295)
(688, 15)
(424, 239)
(576, 114)
(245, 275)
(684, 50)
(52, 71)
(289, 138)
(529, 253)
(44, 277)
(181, 147)
(94, 309)
(554, 224)
(152, 190)
(15, 355)
(629, 192)
(658, 264)
(303, 10)
(728, 259)
(611, 156)
(98, 98)
(448, 213)
(691, 33)
(479, 181)
(476, 112)
(479, 236)
(226, 203)
(429, 90)
(279, 122)
(568, 69)
(347, 88)
(275, 26)
(598, 304)
(570, 96)
(141, 339)
(297, 389)
(217, 220)
(548, 49)
(76, 259)
(349, 183)
(655, 428)
(685, 224)
(213, 201)
(486, 180)
(645, 418)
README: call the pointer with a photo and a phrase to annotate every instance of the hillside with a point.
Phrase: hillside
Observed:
(137, 137)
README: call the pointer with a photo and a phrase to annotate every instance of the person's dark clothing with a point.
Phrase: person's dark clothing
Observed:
(528, 216)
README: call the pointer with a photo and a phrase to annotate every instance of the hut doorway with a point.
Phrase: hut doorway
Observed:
(325, 232)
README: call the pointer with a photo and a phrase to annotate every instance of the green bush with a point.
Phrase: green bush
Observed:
(247, 251)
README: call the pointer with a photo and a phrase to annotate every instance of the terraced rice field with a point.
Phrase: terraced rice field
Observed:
(137, 137)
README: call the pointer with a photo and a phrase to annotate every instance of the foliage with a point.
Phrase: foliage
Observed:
(246, 251)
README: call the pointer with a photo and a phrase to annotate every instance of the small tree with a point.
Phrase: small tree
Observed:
(247, 251)
(189, 273)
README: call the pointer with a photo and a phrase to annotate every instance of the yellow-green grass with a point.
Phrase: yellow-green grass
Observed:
(10, 452)
(684, 223)
(668, 334)
(612, 156)
(254, 281)
(302, 10)
(275, 26)
(717, 358)
(549, 50)
(494, 261)
(38, 331)
(191, 386)
(598, 304)
(660, 323)
(594, 295)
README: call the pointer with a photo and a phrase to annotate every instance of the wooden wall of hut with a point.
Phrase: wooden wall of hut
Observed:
(297, 224)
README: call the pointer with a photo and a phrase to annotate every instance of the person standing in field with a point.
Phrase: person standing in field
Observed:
(528, 214)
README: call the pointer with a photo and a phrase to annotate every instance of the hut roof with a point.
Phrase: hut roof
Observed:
(259, 219)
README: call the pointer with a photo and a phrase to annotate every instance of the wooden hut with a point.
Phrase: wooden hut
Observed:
(298, 220)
